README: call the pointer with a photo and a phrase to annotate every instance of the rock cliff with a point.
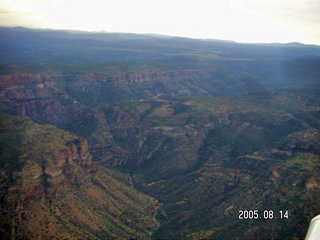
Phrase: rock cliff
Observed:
(141, 77)
(207, 127)
(51, 188)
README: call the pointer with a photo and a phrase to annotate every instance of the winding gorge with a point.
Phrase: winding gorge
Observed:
(156, 137)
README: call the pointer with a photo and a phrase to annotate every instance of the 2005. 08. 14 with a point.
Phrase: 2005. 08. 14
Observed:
(266, 214)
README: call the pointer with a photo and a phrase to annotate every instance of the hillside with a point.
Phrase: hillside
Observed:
(187, 132)
(51, 188)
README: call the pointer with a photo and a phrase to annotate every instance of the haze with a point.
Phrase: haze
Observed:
(239, 20)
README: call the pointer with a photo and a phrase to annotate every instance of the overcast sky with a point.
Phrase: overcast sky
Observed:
(238, 20)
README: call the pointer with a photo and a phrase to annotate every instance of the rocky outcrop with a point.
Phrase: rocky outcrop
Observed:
(41, 180)
(50, 187)
(37, 96)
(26, 85)
(45, 78)
(313, 182)
(140, 77)
(77, 151)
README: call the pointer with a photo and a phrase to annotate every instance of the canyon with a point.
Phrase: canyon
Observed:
(160, 138)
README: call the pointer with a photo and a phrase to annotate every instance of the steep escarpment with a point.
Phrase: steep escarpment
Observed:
(140, 77)
(44, 98)
(208, 128)
(45, 94)
(38, 96)
(67, 99)
(153, 83)
(51, 188)
(199, 156)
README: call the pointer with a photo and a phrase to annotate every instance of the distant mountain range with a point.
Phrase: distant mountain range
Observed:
(119, 135)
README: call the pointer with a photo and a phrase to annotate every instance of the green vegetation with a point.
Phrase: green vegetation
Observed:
(133, 136)
(56, 196)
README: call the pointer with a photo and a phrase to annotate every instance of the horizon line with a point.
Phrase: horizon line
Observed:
(156, 34)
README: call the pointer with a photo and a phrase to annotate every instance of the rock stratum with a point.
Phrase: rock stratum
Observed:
(124, 136)
(50, 188)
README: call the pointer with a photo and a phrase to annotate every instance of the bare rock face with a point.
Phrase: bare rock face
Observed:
(37, 96)
(51, 188)
(252, 151)
(42, 179)
(49, 158)
(140, 77)
(77, 150)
